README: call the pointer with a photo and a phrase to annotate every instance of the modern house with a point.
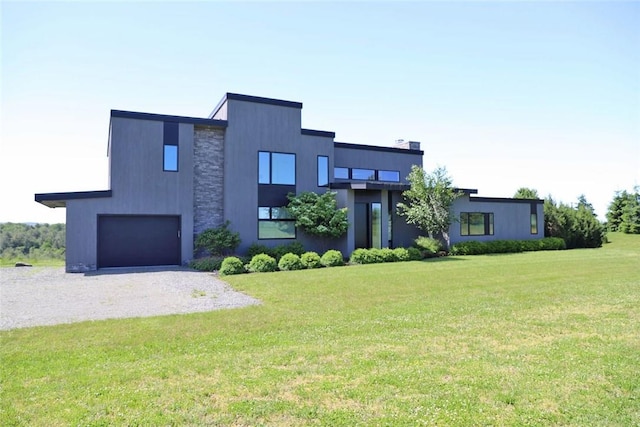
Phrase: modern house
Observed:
(172, 177)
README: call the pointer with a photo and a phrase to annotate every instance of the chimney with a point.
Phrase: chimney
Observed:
(407, 145)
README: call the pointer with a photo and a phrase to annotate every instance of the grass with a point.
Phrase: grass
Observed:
(543, 338)
(36, 262)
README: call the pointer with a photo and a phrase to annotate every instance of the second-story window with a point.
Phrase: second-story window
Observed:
(276, 168)
(323, 171)
(170, 147)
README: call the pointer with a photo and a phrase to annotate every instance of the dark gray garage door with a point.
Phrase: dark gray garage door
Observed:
(138, 240)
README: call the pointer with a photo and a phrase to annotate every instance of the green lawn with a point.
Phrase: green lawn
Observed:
(546, 338)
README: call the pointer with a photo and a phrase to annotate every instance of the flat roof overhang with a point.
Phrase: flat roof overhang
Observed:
(369, 185)
(59, 200)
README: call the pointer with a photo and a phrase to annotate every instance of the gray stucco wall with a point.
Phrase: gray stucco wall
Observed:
(511, 219)
(139, 185)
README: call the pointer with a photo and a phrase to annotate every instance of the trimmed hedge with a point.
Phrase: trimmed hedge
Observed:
(332, 258)
(473, 247)
(374, 255)
(290, 262)
(263, 263)
(232, 265)
(310, 260)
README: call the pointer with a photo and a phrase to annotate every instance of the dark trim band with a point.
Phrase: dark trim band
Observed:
(322, 133)
(376, 148)
(59, 200)
(166, 118)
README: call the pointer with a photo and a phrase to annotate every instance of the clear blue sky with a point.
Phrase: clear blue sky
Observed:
(544, 95)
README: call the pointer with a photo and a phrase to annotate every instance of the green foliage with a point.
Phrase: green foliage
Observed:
(363, 256)
(526, 193)
(332, 258)
(263, 263)
(218, 241)
(277, 251)
(32, 241)
(207, 264)
(290, 262)
(578, 226)
(232, 265)
(474, 247)
(624, 212)
(428, 246)
(415, 254)
(318, 214)
(310, 260)
(374, 255)
(428, 202)
(401, 254)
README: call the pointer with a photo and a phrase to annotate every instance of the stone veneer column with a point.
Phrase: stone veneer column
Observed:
(208, 178)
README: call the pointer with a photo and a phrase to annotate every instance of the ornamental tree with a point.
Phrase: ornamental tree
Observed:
(318, 214)
(428, 202)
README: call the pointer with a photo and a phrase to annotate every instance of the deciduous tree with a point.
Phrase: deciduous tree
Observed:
(427, 204)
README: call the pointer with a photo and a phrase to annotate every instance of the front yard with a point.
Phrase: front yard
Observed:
(542, 338)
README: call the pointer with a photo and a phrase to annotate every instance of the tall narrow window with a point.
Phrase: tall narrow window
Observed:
(170, 147)
(534, 223)
(376, 225)
(323, 171)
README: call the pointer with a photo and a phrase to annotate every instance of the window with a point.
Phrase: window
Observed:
(363, 174)
(534, 223)
(341, 173)
(323, 171)
(476, 224)
(275, 223)
(391, 176)
(170, 147)
(170, 158)
(276, 168)
(376, 225)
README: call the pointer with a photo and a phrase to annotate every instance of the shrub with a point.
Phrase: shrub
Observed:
(207, 264)
(473, 247)
(429, 247)
(277, 251)
(231, 265)
(256, 249)
(414, 254)
(310, 260)
(361, 256)
(402, 254)
(262, 263)
(218, 241)
(290, 262)
(387, 255)
(292, 248)
(332, 258)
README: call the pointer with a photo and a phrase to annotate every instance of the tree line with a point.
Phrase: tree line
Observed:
(32, 241)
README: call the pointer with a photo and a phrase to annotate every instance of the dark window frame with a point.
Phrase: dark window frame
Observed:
(271, 153)
(488, 221)
(319, 182)
(273, 219)
(387, 171)
(372, 175)
(170, 139)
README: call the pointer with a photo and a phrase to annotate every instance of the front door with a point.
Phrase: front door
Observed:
(368, 225)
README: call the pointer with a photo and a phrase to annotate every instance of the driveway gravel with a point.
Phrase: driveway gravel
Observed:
(36, 296)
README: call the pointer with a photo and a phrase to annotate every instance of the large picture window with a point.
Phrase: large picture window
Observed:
(476, 224)
(276, 168)
(275, 223)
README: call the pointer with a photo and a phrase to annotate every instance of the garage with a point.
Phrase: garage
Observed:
(138, 240)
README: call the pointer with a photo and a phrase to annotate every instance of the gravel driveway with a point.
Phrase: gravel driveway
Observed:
(35, 296)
